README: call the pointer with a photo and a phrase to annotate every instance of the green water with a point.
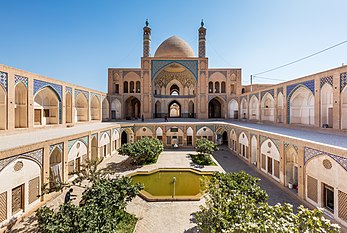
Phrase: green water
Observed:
(161, 183)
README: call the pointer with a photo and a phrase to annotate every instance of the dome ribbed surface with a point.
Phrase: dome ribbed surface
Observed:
(174, 47)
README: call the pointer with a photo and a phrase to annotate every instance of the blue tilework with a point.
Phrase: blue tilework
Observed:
(343, 81)
(311, 153)
(3, 79)
(18, 79)
(324, 80)
(68, 89)
(38, 85)
(191, 65)
(86, 93)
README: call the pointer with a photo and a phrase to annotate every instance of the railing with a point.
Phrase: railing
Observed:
(174, 96)
(183, 115)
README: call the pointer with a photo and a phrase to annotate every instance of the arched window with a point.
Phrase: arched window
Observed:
(125, 87)
(174, 90)
(210, 87)
(132, 87)
(217, 87)
(223, 87)
(138, 87)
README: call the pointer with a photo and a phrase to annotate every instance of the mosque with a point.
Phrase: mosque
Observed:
(49, 127)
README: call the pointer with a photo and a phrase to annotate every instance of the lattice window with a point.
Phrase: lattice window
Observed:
(342, 205)
(277, 169)
(33, 190)
(312, 187)
(180, 140)
(3, 206)
(168, 140)
(17, 199)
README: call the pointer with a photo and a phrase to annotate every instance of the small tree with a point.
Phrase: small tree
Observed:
(236, 203)
(143, 151)
(205, 146)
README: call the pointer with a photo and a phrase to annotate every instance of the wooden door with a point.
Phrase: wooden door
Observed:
(17, 199)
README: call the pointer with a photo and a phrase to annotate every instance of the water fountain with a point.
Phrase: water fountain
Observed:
(174, 188)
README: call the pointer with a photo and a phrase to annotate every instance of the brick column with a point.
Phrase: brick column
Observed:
(301, 172)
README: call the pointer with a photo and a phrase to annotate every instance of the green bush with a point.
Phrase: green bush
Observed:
(143, 151)
(205, 146)
(103, 209)
(202, 159)
(236, 203)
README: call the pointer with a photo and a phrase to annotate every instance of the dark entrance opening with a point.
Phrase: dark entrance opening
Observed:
(124, 138)
(174, 109)
(225, 138)
(214, 109)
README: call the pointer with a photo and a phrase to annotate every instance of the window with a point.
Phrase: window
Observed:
(138, 87)
(125, 87)
(210, 87)
(217, 87)
(46, 112)
(189, 140)
(329, 197)
(17, 199)
(223, 87)
(116, 88)
(269, 165)
(132, 87)
(174, 130)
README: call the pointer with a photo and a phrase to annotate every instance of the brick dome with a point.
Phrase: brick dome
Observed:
(174, 47)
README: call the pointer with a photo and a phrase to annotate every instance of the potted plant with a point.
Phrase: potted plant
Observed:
(290, 184)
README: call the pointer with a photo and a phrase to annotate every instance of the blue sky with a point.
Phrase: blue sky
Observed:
(77, 40)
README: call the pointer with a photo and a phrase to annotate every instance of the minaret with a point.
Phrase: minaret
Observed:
(202, 40)
(146, 40)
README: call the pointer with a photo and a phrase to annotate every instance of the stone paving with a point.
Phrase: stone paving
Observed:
(176, 217)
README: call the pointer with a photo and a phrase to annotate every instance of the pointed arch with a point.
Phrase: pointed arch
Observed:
(254, 108)
(254, 150)
(21, 106)
(268, 108)
(244, 144)
(191, 111)
(105, 109)
(3, 108)
(291, 165)
(94, 154)
(116, 109)
(270, 159)
(174, 109)
(81, 108)
(280, 108)
(133, 107)
(68, 107)
(327, 105)
(95, 108)
(244, 109)
(55, 166)
(233, 109)
(157, 109)
(302, 106)
(216, 108)
(46, 107)
(344, 108)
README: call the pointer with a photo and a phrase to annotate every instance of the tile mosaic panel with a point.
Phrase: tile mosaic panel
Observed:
(94, 94)
(35, 155)
(85, 93)
(68, 89)
(72, 142)
(311, 153)
(256, 95)
(3, 79)
(212, 127)
(343, 81)
(18, 79)
(191, 65)
(280, 89)
(324, 80)
(270, 91)
(39, 84)
(52, 147)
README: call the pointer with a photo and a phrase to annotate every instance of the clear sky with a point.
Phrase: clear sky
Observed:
(77, 40)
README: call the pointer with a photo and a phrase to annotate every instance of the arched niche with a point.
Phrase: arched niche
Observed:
(302, 107)
(233, 109)
(244, 143)
(344, 108)
(280, 108)
(254, 150)
(268, 108)
(68, 107)
(81, 108)
(3, 108)
(116, 109)
(105, 109)
(254, 108)
(21, 106)
(95, 108)
(216, 108)
(244, 108)
(291, 166)
(46, 107)
(327, 105)
(270, 159)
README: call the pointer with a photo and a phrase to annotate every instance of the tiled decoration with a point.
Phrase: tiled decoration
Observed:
(33, 155)
(72, 142)
(287, 144)
(151, 127)
(220, 129)
(280, 89)
(68, 89)
(3, 79)
(105, 132)
(292, 88)
(310, 153)
(38, 85)
(343, 81)
(18, 79)
(210, 97)
(212, 127)
(256, 95)
(97, 96)
(324, 80)
(60, 146)
(268, 91)
(275, 141)
(85, 93)
(95, 135)
(191, 65)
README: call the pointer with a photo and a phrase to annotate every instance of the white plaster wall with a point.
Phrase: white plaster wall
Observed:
(77, 152)
(243, 139)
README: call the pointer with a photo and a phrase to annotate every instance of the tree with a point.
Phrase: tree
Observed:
(103, 209)
(236, 203)
(205, 146)
(143, 151)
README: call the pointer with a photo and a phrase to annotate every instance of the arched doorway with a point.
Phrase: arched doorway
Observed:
(280, 107)
(327, 106)
(157, 111)
(133, 108)
(68, 108)
(291, 166)
(105, 109)
(233, 109)
(46, 107)
(116, 109)
(267, 108)
(95, 108)
(270, 159)
(81, 108)
(254, 108)
(3, 108)
(174, 90)
(302, 107)
(225, 138)
(254, 150)
(214, 108)
(124, 138)
(191, 109)
(244, 108)
(94, 155)
(174, 109)
(21, 106)
(55, 165)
